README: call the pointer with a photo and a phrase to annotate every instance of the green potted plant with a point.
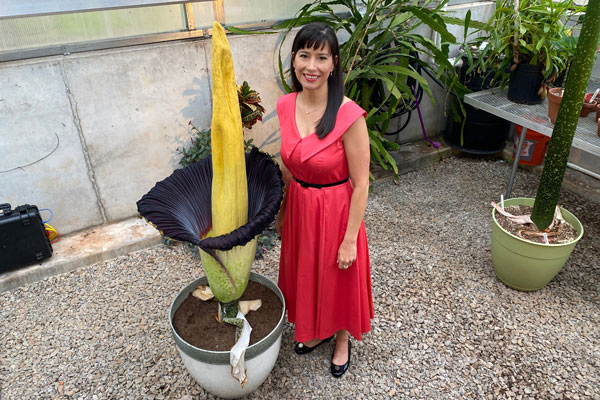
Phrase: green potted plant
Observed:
(472, 130)
(566, 45)
(220, 204)
(383, 59)
(527, 45)
(526, 265)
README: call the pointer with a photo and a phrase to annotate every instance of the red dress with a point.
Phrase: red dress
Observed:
(321, 298)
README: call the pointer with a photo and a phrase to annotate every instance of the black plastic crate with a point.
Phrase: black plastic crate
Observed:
(23, 238)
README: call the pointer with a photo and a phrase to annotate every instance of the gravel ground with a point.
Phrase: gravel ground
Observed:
(444, 326)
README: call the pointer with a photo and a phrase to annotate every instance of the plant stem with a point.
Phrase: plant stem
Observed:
(516, 35)
(566, 121)
(361, 40)
(228, 310)
(228, 313)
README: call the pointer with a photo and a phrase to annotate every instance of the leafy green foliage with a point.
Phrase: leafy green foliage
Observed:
(544, 36)
(199, 147)
(538, 33)
(382, 56)
(266, 241)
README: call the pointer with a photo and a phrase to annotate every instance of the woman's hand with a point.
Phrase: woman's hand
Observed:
(356, 146)
(346, 254)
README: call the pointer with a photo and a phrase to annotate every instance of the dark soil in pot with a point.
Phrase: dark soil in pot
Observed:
(195, 320)
(563, 234)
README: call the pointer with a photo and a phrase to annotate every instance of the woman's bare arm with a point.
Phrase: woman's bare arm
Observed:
(356, 145)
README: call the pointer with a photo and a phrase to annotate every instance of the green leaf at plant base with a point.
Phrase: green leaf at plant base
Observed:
(380, 152)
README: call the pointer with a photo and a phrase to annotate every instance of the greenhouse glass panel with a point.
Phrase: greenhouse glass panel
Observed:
(52, 30)
(252, 11)
(204, 14)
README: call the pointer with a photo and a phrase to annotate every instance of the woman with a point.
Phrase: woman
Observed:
(324, 267)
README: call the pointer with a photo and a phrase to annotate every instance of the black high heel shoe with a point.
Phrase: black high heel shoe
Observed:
(301, 348)
(339, 370)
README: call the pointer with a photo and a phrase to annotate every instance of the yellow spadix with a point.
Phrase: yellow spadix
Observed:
(229, 184)
(229, 188)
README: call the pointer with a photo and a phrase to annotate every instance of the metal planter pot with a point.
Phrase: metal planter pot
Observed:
(211, 369)
(524, 265)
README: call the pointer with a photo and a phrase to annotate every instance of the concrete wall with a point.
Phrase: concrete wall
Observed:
(88, 134)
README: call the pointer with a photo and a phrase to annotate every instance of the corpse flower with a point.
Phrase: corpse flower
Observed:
(221, 204)
(180, 207)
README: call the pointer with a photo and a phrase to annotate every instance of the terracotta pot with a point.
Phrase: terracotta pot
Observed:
(554, 99)
(587, 108)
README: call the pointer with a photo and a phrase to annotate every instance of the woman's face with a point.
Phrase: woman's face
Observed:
(313, 66)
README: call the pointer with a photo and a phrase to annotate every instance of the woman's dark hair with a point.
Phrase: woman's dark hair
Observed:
(315, 35)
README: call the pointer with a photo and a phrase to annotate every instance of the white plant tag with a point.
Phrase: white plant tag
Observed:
(238, 352)
(546, 238)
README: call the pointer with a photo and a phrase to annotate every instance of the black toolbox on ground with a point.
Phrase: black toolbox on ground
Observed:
(23, 238)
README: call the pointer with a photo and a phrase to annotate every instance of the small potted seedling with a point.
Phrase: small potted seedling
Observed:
(589, 103)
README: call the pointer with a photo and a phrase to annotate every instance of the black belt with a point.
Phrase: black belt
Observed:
(318, 186)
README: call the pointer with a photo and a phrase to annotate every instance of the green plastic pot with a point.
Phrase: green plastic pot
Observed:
(524, 265)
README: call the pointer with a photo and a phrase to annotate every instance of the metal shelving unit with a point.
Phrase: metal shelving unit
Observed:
(535, 117)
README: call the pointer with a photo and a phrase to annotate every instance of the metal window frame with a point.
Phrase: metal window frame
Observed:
(32, 8)
(67, 49)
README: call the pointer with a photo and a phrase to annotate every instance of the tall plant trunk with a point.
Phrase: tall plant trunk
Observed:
(566, 122)
(516, 34)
